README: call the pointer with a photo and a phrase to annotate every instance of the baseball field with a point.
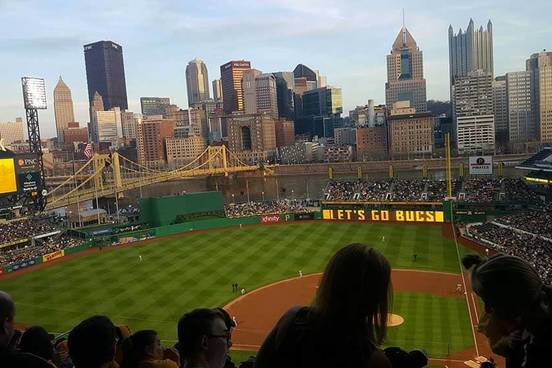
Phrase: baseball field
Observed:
(151, 284)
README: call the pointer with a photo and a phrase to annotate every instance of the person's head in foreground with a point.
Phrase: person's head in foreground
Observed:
(141, 347)
(7, 314)
(518, 319)
(37, 341)
(203, 338)
(346, 322)
(355, 291)
(92, 343)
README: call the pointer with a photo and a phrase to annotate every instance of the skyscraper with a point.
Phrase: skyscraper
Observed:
(500, 106)
(470, 51)
(12, 131)
(285, 87)
(63, 108)
(540, 65)
(405, 73)
(322, 109)
(197, 82)
(249, 90)
(522, 120)
(105, 74)
(259, 93)
(151, 134)
(252, 137)
(217, 90)
(154, 105)
(231, 75)
(474, 112)
(267, 96)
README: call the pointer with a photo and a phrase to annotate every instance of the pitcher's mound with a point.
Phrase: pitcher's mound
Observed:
(394, 320)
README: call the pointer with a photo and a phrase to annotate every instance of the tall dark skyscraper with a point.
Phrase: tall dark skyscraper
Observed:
(105, 73)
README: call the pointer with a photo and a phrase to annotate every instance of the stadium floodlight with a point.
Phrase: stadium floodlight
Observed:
(34, 93)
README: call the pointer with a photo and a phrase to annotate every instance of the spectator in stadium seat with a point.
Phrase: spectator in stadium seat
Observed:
(92, 343)
(203, 339)
(346, 322)
(9, 357)
(230, 324)
(143, 349)
(61, 354)
(518, 309)
(37, 341)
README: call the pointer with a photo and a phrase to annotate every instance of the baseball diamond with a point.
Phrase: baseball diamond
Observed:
(199, 268)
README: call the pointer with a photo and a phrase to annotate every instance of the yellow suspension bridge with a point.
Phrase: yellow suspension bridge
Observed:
(112, 174)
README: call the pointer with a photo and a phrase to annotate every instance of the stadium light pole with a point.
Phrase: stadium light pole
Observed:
(34, 98)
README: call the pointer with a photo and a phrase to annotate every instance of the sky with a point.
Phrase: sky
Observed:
(346, 40)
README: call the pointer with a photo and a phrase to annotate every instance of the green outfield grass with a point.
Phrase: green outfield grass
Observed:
(198, 269)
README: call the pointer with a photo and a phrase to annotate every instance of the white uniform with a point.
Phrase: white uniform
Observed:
(140, 258)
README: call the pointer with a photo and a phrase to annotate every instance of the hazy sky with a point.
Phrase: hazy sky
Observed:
(346, 40)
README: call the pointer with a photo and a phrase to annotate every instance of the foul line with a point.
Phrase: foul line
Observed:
(465, 289)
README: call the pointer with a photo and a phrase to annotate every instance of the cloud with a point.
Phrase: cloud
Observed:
(346, 40)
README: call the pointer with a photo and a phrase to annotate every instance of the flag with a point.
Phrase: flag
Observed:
(89, 150)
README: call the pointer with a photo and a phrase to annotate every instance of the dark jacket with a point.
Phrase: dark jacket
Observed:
(300, 339)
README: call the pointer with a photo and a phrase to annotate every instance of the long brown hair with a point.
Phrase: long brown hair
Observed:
(355, 291)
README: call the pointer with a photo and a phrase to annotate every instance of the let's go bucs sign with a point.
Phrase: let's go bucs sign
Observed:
(383, 215)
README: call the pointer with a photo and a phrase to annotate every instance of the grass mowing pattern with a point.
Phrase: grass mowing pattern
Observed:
(443, 324)
(198, 269)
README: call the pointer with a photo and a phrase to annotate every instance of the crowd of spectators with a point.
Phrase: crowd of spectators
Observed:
(235, 210)
(409, 190)
(532, 248)
(536, 221)
(482, 189)
(518, 190)
(24, 229)
(28, 250)
(473, 189)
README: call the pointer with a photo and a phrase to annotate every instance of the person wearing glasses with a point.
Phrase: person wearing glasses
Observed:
(204, 339)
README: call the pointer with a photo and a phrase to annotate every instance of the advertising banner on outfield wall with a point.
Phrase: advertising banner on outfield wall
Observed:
(23, 264)
(270, 219)
(304, 216)
(383, 215)
(481, 165)
(54, 255)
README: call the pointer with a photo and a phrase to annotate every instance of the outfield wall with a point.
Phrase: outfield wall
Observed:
(162, 211)
(161, 231)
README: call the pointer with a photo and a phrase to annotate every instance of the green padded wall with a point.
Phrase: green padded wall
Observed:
(161, 211)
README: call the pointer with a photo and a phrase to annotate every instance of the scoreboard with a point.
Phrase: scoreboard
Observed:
(376, 215)
(19, 174)
(28, 173)
(8, 180)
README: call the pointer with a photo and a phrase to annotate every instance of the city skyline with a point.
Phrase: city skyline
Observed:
(360, 34)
